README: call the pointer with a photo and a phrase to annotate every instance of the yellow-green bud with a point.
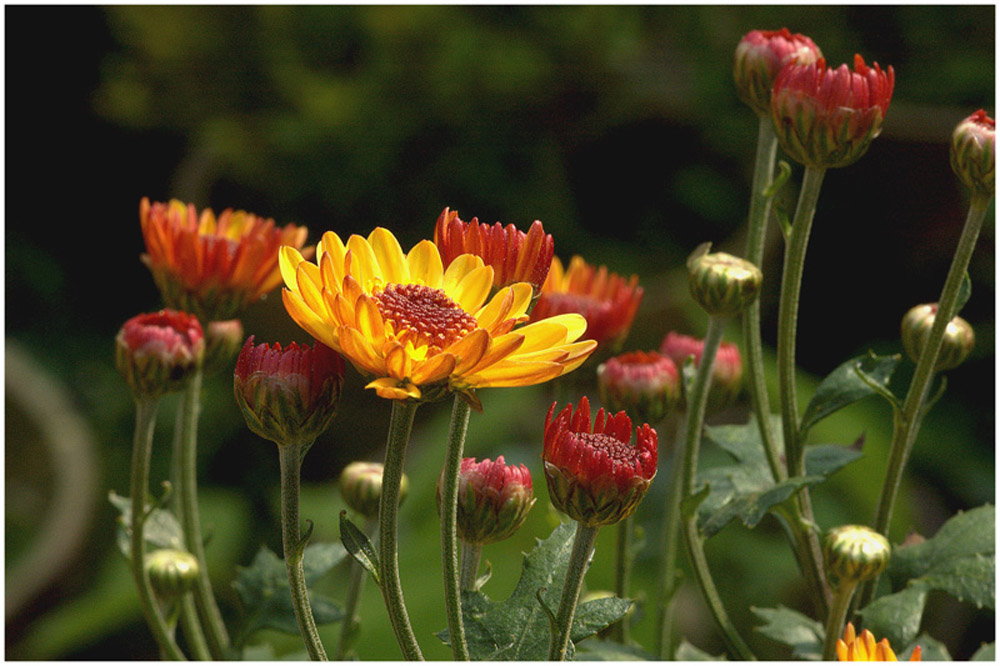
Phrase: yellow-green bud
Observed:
(172, 572)
(223, 340)
(956, 345)
(722, 284)
(855, 553)
(361, 487)
(973, 153)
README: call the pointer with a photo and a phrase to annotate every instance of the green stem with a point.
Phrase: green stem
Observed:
(760, 208)
(290, 458)
(583, 546)
(400, 425)
(689, 456)
(907, 424)
(471, 554)
(835, 620)
(142, 448)
(671, 533)
(624, 561)
(187, 490)
(355, 584)
(449, 531)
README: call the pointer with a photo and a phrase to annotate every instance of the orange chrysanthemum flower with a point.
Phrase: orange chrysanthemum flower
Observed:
(212, 267)
(514, 255)
(422, 330)
(864, 648)
(606, 300)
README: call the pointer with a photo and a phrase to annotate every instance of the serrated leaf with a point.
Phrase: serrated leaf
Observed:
(844, 386)
(986, 652)
(360, 547)
(687, 652)
(517, 628)
(931, 649)
(751, 507)
(265, 595)
(611, 651)
(161, 530)
(784, 625)
(897, 616)
(959, 560)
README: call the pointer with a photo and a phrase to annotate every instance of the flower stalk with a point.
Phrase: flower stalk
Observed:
(669, 574)
(623, 560)
(579, 559)
(835, 620)
(471, 554)
(449, 530)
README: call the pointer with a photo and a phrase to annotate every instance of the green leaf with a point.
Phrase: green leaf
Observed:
(897, 616)
(360, 547)
(826, 459)
(959, 560)
(803, 634)
(688, 652)
(265, 595)
(845, 386)
(517, 628)
(964, 293)
(162, 529)
(931, 649)
(611, 651)
(986, 652)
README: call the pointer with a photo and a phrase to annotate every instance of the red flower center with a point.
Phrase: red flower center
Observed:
(616, 450)
(423, 315)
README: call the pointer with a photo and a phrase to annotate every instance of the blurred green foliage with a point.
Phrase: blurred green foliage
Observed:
(616, 126)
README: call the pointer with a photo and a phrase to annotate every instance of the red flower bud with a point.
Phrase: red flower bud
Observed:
(514, 255)
(760, 55)
(594, 474)
(645, 385)
(974, 152)
(727, 373)
(158, 353)
(290, 395)
(828, 117)
(493, 499)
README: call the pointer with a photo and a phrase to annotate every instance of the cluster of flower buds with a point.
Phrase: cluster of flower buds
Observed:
(956, 345)
(727, 373)
(361, 487)
(720, 283)
(645, 385)
(974, 153)
(594, 474)
(172, 572)
(759, 57)
(493, 499)
(855, 553)
(159, 352)
(290, 395)
(855, 647)
(514, 255)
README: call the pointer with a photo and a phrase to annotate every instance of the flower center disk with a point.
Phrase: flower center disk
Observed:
(616, 450)
(423, 315)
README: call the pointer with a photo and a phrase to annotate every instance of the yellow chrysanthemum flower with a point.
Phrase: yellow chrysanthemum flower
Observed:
(419, 329)
(864, 648)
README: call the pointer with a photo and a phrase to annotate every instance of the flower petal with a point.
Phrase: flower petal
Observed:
(425, 265)
(360, 352)
(511, 373)
(469, 350)
(390, 256)
(433, 370)
(308, 320)
(472, 290)
(364, 265)
(288, 260)
(458, 269)
(392, 389)
(369, 320)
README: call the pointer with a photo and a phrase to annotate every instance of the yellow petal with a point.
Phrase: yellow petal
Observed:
(331, 244)
(501, 348)
(390, 256)
(555, 279)
(514, 374)
(543, 334)
(472, 290)
(288, 260)
(392, 389)
(307, 277)
(397, 362)
(341, 311)
(841, 650)
(469, 350)
(369, 320)
(522, 298)
(458, 269)
(434, 369)
(357, 348)
(424, 261)
(497, 309)
(308, 320)
(363, 265)
(579, 352)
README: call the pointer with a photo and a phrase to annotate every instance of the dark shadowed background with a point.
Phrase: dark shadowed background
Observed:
(618, 127)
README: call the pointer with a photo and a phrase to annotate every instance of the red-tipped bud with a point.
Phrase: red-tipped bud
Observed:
(514, 255)
(727, 373)
(760, 55)
(828, 117)
(956, 345)
(606, 300)
(158, 353)
(645, 385)
(974, 152)
(361, 487)
(722, 284)
(594, 474)
(493, 499)
(223, 340)
(290, 395)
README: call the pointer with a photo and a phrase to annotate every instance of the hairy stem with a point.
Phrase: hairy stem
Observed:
(623, 557)
(835, 620)
(449, 531)
(669, 574)
(583, 546)
(471, 554)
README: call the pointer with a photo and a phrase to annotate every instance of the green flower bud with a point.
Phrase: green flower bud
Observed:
(361, 487)
(855, 553)
(223, 340)
(722, 284)
(172, 572)
(956, 345)
(973, 152)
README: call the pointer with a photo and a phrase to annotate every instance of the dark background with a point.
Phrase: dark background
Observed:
(618, 127)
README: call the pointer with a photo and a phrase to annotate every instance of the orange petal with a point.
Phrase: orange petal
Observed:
(469, 350)
(308, 320)
(500, 349)
(356, 347)
(369, 320)
(397, 361)
(434, 369)
(510, 373)
(393, 389)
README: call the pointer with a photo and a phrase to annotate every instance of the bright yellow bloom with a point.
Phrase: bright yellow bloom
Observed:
(421, 330)
(864, 648)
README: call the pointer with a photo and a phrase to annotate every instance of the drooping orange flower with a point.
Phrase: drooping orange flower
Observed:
(422, 330)
(853, 647)
(514, 255)
(213, 267)
(606, 300)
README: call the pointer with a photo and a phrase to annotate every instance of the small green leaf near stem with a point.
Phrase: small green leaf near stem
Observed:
(583, 546)
(355, 584)
(449, 531)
